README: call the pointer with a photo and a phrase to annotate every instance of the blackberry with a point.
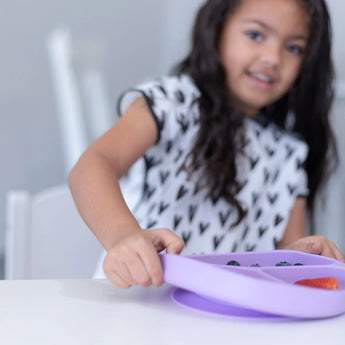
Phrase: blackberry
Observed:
(283, 263)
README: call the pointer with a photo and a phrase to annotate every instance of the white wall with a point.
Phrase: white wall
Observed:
(145, 38)
(330, 214)
(337, 11)
(138, 38)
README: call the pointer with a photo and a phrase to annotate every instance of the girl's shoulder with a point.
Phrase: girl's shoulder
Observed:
(172, 102)
(179, 88)
(164, 91)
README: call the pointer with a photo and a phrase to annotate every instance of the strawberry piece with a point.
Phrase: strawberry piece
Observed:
(324, 283)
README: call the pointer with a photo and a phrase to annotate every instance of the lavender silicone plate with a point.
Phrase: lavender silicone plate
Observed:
(268, 290)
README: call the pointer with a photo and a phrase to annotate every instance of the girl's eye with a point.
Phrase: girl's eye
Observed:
(254, 35)
(294, 49)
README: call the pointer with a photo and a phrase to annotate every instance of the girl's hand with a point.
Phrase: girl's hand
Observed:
(135, 261)
(316, 245)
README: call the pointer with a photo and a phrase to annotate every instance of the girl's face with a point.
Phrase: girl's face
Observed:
(262, 47)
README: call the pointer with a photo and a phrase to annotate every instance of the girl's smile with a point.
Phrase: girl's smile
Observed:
(261, 79)
(262, 48)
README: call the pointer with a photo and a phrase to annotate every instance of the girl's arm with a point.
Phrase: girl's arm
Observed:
(295, 238)
(94, 179)
(95, 189)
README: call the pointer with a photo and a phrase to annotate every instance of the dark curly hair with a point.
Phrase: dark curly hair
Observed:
(220, 137)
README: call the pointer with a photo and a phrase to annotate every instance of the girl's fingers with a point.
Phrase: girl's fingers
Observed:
(324, 247)
(160, 239)
(116, 268)
(175, 246)
(139, 271)
(116, 280)
(337, 254)
(124, 274)
(165, 239)
(318, 245)
(305, 245)
(173, 243)
(327, 251)
(128, 272)
(153, 266)
(136, 262)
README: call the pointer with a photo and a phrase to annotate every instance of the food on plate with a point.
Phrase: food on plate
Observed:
(324, 283)
(283, 263)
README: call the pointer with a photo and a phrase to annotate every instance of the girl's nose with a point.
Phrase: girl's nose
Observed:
(271, 55)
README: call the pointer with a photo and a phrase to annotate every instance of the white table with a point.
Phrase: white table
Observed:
(82, 312)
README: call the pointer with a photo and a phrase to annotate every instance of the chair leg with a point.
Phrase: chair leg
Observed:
(17, 247)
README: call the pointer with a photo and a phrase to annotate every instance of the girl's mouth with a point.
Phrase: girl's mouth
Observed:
(261, 78)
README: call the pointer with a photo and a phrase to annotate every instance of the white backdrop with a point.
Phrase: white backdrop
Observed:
(30, 140)
(156, 31)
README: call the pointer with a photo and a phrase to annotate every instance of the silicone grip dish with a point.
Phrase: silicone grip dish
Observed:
(268, 289)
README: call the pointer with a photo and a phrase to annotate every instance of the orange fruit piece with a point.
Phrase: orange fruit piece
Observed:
(324, 283)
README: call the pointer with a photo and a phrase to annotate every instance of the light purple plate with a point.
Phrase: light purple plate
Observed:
(194, 301)
(256, 291)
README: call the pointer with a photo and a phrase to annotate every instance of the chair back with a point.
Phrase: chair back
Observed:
(46, 238)
(84, 109)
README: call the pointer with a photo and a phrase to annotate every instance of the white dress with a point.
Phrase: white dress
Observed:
(271, 175)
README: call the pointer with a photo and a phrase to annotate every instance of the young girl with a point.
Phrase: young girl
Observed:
(235, 143)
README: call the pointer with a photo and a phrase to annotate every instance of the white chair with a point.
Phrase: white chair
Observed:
(84, 109)
(46, 238)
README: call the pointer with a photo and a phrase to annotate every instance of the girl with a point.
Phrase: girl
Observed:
(235, 143)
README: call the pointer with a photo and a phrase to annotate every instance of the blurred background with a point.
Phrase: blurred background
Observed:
(142, 39)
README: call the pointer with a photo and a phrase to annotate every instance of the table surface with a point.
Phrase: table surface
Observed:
(93, 312)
